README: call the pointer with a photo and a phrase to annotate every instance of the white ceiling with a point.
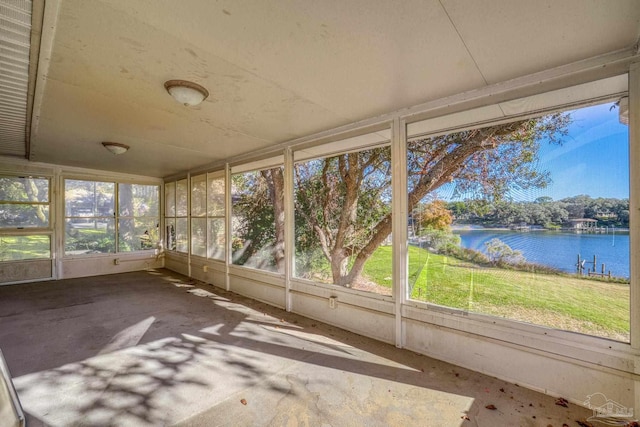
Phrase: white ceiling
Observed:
(278, 70)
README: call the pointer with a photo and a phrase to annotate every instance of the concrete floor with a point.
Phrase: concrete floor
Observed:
(153, 348)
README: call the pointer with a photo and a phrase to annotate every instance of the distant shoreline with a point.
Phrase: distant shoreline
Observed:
(474, 227)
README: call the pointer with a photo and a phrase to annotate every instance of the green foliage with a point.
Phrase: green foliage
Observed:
(342, 203)
(543, 212)
(254, 234)
(89, 240)
(30, 197)
(440, 240)
(466, 254)
(501, 253)
(339, 201)
(489, 162)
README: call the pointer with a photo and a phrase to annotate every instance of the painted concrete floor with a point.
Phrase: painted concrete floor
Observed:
(154, 348)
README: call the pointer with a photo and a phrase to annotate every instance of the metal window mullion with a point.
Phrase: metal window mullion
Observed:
(399, 222)
(116, 215)
(227, 226)
(188, 223)
(634, 219)
(89, 217)
(25, 231)
(634, 206)
(206, 216)
(289, 227)
(13, 202)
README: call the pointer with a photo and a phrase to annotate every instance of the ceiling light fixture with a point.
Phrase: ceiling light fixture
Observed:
(115, 147)
(186, 93)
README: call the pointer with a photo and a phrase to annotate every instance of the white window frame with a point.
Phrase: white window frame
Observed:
(33, 231)
(504, 329)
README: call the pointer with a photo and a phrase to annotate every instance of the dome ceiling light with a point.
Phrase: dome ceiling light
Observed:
(116, 147)
(186, 93)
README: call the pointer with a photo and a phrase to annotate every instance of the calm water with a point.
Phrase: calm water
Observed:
(559, 249)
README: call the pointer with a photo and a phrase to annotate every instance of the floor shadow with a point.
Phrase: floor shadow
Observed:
(151, 348)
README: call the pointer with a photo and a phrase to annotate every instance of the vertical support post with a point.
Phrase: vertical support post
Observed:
(227, 225)
(634, 218)
(399, 225)
(57, 198)
(188, 223)
(289, 225)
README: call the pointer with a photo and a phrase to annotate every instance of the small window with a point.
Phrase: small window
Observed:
(90, 225)
(343, 220)
(24, 208)
(198, 215)
(95, 220)
(216, 223)
(258, 233)
(138, 219)
(24, 202)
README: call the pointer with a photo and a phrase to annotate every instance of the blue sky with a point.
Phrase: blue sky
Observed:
(593, 159)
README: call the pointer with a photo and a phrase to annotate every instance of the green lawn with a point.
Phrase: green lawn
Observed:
(558, 301)
(24, 247)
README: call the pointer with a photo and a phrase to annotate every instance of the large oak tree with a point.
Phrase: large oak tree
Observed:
(343, 203)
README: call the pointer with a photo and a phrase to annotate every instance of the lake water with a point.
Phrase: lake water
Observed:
(559, 249)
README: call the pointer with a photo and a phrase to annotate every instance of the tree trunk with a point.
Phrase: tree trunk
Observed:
(339, 267)
(126, 226)
(32, 193)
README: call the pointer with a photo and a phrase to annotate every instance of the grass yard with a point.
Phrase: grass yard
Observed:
(557, 301)
(14, 248)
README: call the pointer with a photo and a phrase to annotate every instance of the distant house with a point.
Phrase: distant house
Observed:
(583, 224)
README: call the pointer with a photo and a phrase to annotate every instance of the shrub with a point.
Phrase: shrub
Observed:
(500, 253)
(440, 240)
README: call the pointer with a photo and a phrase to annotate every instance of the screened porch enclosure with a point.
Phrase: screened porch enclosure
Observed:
(453, 179)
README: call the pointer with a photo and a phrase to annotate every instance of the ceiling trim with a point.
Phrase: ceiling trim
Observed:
(45, 48)
(37, 15)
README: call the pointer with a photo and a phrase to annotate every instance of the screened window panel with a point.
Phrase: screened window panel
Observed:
(24, 216)
(199, 237)
(215, 196)
(532, 225)
(170, 199)
(24, 189)
(89, 198)
(137, 200)
(182, 190)
(199, 195)
(216, 244)
(25, 247)
(170, 234)
(182, 236)
(89, 235)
